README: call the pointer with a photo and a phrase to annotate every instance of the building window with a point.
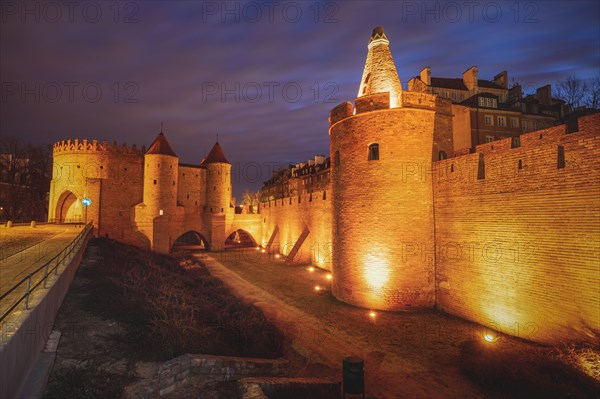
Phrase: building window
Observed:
(489, 139)
(502, 121)
(516, 142)
(454, 96)
(489, 120)
(373, 152)
(442, 155)
(520, 164)
(524, 125)
(336, 159)
(481, 101)
(514, 122)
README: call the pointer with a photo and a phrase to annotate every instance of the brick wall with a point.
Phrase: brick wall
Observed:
(383, 208)
(291, 216)
(519, 248)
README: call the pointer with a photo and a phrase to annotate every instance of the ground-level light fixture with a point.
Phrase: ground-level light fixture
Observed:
(329, 276)
(372, 314)
(318, 288)
(277, 256)
(489, 337)
(310, 269)
(262, 250)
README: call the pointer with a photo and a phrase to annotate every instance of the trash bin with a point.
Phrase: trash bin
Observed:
(354, 376)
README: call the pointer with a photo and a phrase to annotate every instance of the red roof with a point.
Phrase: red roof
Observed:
(216, 155)
(161, 146)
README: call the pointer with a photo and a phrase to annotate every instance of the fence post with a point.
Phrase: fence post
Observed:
(57, 264)
(28, 287)
(46, 273)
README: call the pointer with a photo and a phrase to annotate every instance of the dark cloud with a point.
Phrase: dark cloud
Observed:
(170, 53)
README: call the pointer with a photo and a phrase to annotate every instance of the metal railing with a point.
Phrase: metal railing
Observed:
(51, 266)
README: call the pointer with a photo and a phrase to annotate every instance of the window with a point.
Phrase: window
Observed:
(454, 96)
(154, 181)
(502, 121)
(442, 155)
(373, 152)
(481, 101)
(489, 120)
(524, 125)
(489, 139)
(516, 142)
(514, 122)
(336, 159)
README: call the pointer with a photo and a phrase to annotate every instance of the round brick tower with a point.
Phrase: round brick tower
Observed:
(218, 184)
(382, 221)
(160, 178)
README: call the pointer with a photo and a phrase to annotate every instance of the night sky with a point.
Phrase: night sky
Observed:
(123, 69)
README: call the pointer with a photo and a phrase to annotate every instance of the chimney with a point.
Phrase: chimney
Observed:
(544, 95)
(515, 94)
(502, 79)
(425, 75)
(470, 78)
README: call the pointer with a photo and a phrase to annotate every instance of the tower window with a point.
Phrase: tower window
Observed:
(442, 155)
(336, 159)
(374, 152)
(154, 181)
(520, 164)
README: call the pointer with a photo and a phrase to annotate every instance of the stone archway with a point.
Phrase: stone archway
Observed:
(191, 239)
(68, 209)
(239, 238)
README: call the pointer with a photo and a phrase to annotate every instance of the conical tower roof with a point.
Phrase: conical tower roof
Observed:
(161, 146)
(216, 155)
(380, 75)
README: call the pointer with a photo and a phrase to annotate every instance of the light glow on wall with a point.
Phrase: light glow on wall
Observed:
(376, 271)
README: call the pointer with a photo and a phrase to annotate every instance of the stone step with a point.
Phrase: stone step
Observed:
(288, 386)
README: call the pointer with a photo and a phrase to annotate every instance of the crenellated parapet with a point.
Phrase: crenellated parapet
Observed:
(86, 146)
(541, 157)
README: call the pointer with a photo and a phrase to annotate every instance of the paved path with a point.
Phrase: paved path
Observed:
(391, 372)
(16, 267)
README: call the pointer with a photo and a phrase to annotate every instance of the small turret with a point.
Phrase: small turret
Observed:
(160, 177)
(218, 182)
(380, 75)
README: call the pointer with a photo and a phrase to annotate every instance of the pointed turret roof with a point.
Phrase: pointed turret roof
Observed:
(379, 74)
(216, 155)
(161, 146)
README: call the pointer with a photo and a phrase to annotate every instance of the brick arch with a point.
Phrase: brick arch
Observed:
(244, 235)
(193, 238)
(66, 208)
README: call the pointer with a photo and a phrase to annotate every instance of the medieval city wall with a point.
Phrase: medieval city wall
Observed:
(291, 216)
(517, 234)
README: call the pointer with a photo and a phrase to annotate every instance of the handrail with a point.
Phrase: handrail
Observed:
(67, 251)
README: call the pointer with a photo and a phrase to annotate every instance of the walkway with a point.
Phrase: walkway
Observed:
(407, 355)
(16, 267)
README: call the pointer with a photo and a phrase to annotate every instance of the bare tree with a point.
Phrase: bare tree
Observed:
(592, 99)
(251, 200)
(572, 90)
(24, 180)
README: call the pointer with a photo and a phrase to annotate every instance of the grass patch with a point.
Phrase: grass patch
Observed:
(535, 373)
(173, 306)
(86, 382)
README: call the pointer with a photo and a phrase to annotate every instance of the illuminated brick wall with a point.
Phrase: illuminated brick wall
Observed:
(291, 219)
(518, 234)
(383, 209)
